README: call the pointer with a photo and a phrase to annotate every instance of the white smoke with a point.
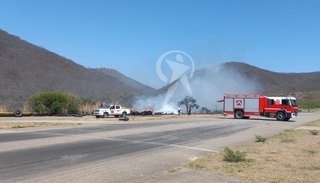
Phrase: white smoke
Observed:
(207, 86)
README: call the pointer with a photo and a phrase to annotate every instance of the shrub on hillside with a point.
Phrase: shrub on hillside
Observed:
(54, 103)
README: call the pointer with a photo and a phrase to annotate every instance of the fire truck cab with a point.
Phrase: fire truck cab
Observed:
(246, 105)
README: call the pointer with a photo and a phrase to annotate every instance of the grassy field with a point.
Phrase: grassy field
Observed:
(292, 156)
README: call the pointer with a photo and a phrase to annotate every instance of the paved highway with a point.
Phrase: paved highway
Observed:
(122, 151)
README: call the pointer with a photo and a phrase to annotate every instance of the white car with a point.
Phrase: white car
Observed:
(112, 110)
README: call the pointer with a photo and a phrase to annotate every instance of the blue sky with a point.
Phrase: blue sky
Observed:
(130, 35)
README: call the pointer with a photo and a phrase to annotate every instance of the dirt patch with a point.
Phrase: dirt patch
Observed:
(8, 125)
(292, 156)
(49, 121)
(166, 117)
(314, 123)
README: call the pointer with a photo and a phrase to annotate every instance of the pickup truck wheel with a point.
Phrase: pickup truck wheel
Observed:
(105, 115)
(97, 116)
(280, 116)
(238, 115)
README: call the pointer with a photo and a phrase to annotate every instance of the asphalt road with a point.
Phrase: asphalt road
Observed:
(122, 151)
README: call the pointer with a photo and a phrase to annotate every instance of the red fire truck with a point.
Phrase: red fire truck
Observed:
(246, 105)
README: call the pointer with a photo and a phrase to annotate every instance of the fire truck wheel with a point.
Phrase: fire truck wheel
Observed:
(238, 115)
(280, 116)
(105, 115)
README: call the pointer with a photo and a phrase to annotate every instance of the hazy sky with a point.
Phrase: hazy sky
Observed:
(130, 35)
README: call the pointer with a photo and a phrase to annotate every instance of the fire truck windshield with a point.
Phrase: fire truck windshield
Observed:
(293, 102)
(289, 102)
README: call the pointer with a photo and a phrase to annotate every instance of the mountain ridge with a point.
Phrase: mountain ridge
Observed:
(277, 81)
(27, 69)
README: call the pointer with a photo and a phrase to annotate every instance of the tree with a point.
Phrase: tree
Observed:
(190, 103)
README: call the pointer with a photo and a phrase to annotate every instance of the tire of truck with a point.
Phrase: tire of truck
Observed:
(105, 115)
(280, 116)
(238, 114)
(97, 116)
(17, 113)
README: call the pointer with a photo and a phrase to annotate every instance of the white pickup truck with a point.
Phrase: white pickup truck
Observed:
(112, 110)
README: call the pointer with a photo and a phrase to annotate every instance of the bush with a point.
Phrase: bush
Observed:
(233, 156)
(314, 132)
(54, 103)
(260, 138)
(309, 104)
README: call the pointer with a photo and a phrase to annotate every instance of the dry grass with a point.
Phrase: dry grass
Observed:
(292, 156)
(174, 170)
(4, 108)
(88, 108)
(8, 125)
(26, 107)
(313, 123)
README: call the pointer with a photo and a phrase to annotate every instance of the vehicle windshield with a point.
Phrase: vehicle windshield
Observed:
(285, 102)
(293, 102)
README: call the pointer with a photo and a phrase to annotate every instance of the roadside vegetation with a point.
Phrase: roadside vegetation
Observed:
(54, 103)
(259, 138)
(230, 155)
(4, 108)
(291, 156)
(314, 132)
(310, 105)
(51, 103)
(88, 106)
(57, 103)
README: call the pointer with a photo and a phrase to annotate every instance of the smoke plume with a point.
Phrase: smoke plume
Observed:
(208, 85)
